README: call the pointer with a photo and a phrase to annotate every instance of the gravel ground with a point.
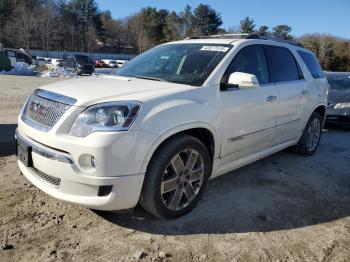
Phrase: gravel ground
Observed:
(282, 208)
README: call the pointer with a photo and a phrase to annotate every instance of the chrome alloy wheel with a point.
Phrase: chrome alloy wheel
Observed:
(313, 134)
(182, 179)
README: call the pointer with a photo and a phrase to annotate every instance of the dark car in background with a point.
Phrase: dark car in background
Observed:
(80, 64)
(338, 111)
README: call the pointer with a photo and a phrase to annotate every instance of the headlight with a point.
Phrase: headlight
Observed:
(342, 105)
(105, 117)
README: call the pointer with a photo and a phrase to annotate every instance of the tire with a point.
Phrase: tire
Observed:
(170, 189)
(311, 136)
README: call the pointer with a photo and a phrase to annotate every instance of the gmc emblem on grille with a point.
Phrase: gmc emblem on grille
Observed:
(37, 108)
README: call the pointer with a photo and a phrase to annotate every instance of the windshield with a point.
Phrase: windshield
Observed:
(82, 59)
(189, 64)
(339, 82)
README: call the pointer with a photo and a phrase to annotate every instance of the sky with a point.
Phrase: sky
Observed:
(304, 16)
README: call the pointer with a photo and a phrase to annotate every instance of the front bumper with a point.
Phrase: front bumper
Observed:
(338, 116)
(86, 70)
(58, 174)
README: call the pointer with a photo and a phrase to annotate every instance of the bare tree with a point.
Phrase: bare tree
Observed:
(20, 29)
(45, 25)
(139, 35)
(323, 47)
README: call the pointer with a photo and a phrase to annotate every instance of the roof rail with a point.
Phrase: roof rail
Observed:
(219, 36)
(229, 36)
(247, 36)
(271, 38)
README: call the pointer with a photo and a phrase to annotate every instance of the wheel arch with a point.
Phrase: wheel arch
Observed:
(203, 131)
(321, 109)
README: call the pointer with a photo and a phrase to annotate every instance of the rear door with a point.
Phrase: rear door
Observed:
(287, 76)
(249, 115)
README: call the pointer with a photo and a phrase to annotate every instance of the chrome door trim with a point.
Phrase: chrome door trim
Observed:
(233, 139)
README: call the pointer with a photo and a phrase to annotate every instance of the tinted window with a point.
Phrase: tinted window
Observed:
(283, 64)
(82, 59)
(251, 60)
(312, 64)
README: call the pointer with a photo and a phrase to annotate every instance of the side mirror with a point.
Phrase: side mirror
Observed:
(243, 80)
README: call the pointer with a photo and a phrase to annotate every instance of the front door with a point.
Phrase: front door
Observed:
(249, 115)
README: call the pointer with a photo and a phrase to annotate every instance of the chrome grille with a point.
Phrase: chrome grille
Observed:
(54, 181)
(42, 112)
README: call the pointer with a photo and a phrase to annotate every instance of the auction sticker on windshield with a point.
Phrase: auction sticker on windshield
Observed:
(214, 48)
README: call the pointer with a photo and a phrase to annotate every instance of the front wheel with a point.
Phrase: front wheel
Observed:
(311, 136)
(176, 177)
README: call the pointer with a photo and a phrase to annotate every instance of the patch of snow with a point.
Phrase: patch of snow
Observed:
(56, 71)
(21, 68)
(46, 70)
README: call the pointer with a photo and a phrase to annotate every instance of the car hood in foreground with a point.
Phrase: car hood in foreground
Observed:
(93, 90)
(339, 96)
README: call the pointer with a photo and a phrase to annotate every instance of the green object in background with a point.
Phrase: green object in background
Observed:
(5, 63)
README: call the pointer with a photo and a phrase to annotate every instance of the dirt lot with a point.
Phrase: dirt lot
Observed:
(282, 208)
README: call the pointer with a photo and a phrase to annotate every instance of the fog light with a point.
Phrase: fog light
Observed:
(87, 162)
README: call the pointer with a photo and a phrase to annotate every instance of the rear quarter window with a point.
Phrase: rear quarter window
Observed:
(283, 64)
(312, 64)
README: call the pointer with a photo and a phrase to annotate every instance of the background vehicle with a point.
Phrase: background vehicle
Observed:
(338, 111)
(18, 55)
(41, 61)
(120, 63)
(56, 61)
(5, 63)
(100, 64)
(171, 119)
(80, 64)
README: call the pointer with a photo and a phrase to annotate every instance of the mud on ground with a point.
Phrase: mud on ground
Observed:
(282, 208)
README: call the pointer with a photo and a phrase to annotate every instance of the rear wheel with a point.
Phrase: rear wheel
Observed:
(311, 136)
(176, 177)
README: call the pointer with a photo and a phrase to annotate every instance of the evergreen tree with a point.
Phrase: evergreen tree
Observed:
(282, 31)
(263, 30)
(247, 25)
(206, 20)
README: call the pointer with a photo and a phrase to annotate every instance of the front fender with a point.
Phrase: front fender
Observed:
(172, 117)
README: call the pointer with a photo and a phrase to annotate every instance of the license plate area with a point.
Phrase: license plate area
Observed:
(24, 153)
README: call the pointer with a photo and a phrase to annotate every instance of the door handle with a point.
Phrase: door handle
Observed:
(271, 98)
(304, 92)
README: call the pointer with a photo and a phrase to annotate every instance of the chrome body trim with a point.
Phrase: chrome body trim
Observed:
(45, 151)
(56, 97)
(233, 139)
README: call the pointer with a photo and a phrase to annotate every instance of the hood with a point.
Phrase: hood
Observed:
(339, 96)
(93, 90)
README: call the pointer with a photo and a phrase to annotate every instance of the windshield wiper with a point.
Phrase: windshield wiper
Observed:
(151, 78)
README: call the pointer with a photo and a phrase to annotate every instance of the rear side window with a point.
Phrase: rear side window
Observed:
(251, 60)
(283, 64)
(312, 64)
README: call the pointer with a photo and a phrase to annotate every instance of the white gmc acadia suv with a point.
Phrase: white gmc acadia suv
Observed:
(172, 118)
